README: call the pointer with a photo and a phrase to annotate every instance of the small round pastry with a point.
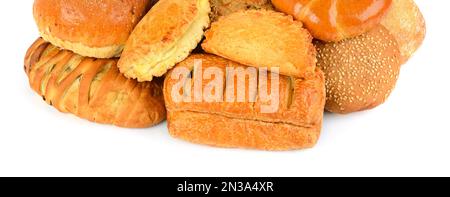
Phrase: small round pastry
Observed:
(406, 23)
(165, 36)
(226, 7)
(263, 38)
(361, 72)
(335, 20)
(90, 28)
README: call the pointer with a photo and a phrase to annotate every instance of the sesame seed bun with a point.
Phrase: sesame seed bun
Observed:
(90, 28)
(406, 23)
(360, 72)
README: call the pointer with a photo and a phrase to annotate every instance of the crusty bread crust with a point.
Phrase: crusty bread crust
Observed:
(263, 38)
(91, 88)
(221, 131)
(91, 28)
(407, 24)
(296, 123)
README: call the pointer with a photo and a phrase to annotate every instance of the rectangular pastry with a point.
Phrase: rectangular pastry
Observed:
(295, 124)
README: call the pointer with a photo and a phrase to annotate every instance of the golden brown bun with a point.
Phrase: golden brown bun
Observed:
(90, 28)
(262, 38)
(92, 88)
(406, 23)
(335, 20)
(164, 37)
(361, 72)
(295, 125)
(226, 7)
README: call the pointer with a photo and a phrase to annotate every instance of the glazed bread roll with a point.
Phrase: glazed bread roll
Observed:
(335, 20)
(90, 28)
(91, 88)
(360, 72)
(406, 23)
(226, 7)
(295, 124)
(164, 37)
(262, 38)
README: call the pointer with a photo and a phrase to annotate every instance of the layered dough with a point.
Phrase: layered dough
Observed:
(164, 37)
(295, 124)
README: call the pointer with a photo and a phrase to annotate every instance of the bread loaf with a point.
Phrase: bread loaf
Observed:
(335, 20)
(90, 28)
(91, 88)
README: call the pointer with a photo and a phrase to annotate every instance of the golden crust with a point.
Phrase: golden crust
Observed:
(263, 38)
(406, 23)
(226, 7)
(91, 88)
(336, 20)
(164, 37)
(90, 28)
(222, 131)
(296, 124)
(360, 72)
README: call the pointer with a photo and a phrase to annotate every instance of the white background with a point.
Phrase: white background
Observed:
(407, 136)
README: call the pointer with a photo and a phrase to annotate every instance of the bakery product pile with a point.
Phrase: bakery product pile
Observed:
(255, 74)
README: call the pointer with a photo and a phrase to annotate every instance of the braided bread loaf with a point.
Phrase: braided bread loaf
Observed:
(91, 88)
(336, 20)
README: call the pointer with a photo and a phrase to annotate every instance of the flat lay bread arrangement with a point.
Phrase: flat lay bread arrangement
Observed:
(252, 74)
